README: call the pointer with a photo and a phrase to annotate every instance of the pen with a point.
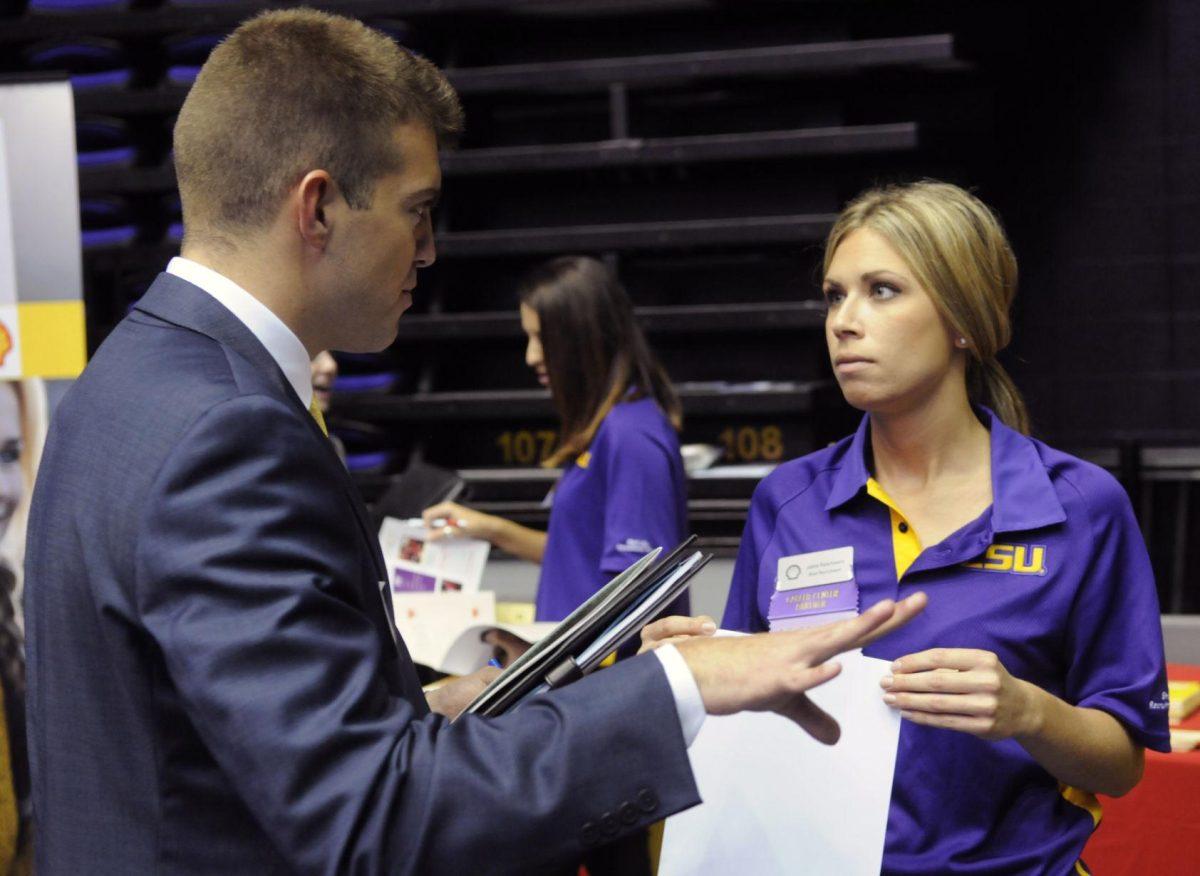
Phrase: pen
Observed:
(443, 522)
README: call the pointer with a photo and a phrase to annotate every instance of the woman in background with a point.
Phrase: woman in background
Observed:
(1035, 679)
(22, 424)
(324, 371)
(623, 489)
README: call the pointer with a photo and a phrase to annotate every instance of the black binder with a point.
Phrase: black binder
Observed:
(554, 661)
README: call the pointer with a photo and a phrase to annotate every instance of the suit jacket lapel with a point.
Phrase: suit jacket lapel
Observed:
(177, 301)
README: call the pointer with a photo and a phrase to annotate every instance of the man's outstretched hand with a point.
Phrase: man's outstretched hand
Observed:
(772, 671)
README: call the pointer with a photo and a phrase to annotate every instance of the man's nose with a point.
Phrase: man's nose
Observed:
(426, 248)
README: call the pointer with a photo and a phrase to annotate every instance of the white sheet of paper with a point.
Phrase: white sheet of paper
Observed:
(430, 622)
(469, 652)
(778, 802)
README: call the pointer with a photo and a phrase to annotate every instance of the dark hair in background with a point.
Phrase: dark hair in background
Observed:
(594, 350)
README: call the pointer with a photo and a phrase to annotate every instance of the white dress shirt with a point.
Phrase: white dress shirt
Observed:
(287, 351)
(281, 342)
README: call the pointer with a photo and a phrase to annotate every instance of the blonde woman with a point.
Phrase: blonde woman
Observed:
(1035, 679)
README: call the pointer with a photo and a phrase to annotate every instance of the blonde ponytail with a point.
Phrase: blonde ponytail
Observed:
(989, 384)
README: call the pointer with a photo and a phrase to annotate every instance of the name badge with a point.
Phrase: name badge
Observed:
(814, 588)
(815, 568)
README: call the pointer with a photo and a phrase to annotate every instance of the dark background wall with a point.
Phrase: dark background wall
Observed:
(1077, 121)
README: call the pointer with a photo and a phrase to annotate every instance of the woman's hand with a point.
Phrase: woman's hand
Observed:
(451, 696)
(673, 629)
(505, 646)
(458, 520)
(963, 689)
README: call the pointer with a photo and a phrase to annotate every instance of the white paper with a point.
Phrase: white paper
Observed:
(443, 630)
(430, 622)
(469, 652)
(415, 564)
(778, 802)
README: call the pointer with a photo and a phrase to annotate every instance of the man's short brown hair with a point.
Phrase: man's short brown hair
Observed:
(293, 91)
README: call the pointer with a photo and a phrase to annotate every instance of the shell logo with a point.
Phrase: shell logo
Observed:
(6, 343)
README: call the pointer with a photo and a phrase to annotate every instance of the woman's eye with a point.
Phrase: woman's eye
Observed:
(833, 296)
(884, 291)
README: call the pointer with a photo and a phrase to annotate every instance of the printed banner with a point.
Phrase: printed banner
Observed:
(42, 328)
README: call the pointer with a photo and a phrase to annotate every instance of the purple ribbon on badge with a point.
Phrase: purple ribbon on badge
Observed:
(807, 606)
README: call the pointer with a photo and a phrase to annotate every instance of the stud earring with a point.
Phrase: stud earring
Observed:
(961, 341)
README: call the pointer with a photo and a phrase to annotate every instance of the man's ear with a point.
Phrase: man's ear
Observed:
(314, 195)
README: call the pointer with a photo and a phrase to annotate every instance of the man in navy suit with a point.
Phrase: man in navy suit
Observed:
(215, 682)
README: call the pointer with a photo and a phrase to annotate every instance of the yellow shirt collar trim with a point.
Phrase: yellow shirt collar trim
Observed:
(906, 546)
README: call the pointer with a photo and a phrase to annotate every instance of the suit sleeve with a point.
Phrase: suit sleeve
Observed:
(247, 567)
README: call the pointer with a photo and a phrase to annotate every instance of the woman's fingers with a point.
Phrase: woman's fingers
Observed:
(674, 629)
(961, 723)
(954, 681)
(945, 658)
(679, 625)
(973, 705)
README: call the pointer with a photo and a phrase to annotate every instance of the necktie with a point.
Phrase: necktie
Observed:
(318, 416)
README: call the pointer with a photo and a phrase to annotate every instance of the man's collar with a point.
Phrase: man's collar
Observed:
(279, 340)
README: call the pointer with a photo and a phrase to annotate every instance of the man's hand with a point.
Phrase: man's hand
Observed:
(451, 697)
(771, 671)
(675, 629)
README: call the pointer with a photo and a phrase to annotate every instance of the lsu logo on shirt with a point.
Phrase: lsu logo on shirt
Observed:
(1020, 559)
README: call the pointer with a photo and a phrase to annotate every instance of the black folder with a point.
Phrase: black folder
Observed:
(554, 661)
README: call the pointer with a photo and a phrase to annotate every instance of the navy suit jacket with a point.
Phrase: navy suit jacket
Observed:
(215, 685)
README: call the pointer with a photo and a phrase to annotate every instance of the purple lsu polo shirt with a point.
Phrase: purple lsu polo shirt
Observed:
(625, 496)
(1053, 578)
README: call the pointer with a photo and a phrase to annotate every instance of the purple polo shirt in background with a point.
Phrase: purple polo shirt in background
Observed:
(631, 497)
(1085, 627)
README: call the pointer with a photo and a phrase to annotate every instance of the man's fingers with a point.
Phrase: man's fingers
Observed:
(906, 610)
(802, 678)
(828, 641)
(814, 720)
(945, 658)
